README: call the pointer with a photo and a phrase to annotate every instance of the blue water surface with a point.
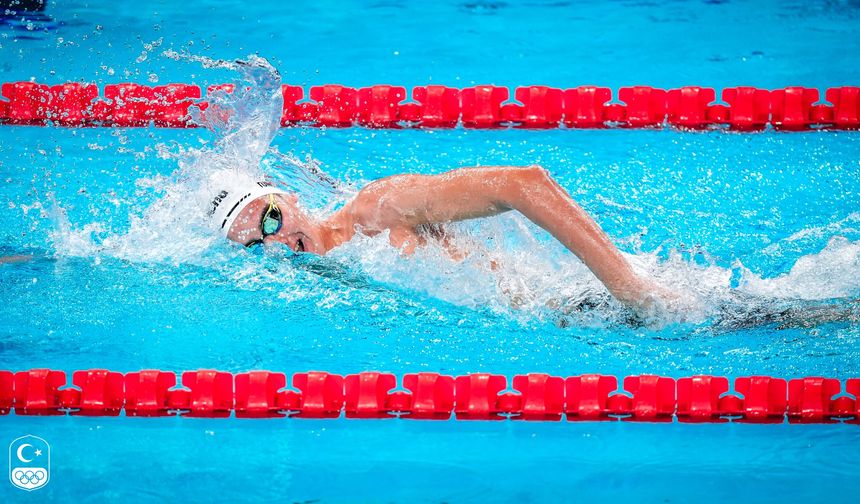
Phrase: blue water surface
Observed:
(773, 213)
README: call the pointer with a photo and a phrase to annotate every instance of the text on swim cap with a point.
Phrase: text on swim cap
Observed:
(216, 201)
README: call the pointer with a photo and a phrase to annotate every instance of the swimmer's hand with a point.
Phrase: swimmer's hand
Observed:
(649, 300)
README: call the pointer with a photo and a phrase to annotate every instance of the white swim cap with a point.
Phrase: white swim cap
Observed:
(231, 193)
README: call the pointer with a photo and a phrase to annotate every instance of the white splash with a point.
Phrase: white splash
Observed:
(832, 273)
(173, 228)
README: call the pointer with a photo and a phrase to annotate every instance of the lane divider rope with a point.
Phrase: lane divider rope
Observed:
(482, 396)
(743, 108)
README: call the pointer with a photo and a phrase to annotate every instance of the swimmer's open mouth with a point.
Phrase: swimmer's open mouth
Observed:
(296, 241)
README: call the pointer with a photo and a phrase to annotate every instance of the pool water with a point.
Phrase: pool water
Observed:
(124, 275)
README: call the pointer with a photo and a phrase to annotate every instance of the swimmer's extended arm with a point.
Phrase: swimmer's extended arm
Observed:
(468, 193)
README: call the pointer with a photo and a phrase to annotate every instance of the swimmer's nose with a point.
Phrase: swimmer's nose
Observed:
(272, 240)
(283, 240)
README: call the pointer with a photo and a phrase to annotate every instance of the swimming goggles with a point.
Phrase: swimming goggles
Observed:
(270, 223)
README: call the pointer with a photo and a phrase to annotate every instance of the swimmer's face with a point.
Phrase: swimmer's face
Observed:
(298, 231)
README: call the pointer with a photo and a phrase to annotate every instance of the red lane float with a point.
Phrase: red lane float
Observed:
(258, 396)
(172, 102)
(294, 112)
(146, 393)
(542, 107)
(99, 393)
(432, 396)
(37, 392)
(585, 107)
(321, 394)
(587, 396)
(846, 106)
(764, 398)
(368, 395)
(743, 108)
(476, 396)
(481, 106)
(812, 399)
(210, 394)
(644, 107)
(437, 107)
(27, 102)
(749, 108)
(69, 103)
(688, 107)
(378, 106)
(791, 108)
(542, 397)
(7, 394)
(699, 398)
(479, 396)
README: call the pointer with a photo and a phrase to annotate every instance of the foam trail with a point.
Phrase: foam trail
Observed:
(832, 273)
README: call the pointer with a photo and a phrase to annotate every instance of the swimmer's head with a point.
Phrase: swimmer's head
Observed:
(250, 212)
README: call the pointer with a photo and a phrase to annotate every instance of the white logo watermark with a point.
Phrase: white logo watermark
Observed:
(29, 463)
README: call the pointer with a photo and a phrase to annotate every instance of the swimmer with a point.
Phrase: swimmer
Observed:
(414, 208)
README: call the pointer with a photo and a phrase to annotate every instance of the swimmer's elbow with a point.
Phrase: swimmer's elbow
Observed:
(525, 181)
(536, 175)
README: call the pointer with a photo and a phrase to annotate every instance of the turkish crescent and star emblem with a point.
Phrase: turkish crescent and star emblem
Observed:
(29, 462)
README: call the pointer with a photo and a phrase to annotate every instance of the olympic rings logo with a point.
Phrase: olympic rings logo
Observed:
(29, 476)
